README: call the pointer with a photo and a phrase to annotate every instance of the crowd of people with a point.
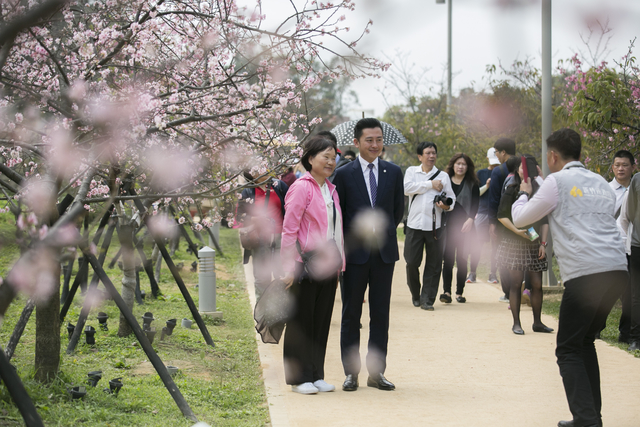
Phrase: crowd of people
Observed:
(337, 222)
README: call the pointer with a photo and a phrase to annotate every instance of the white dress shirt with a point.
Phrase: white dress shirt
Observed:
(417, 183)
(620, 191)
(625, 226)
(365, 171)
(335, 234)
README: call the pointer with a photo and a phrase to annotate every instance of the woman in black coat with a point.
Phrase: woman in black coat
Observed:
(464, 183)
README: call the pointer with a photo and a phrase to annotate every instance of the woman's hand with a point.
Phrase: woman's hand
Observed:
(467, 226)
(523, 233)
(542, 252)
(288, 279)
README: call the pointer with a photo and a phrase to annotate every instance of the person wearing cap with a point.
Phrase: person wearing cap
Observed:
(482, 235)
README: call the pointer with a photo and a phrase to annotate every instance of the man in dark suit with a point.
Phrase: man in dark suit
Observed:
(372, 201)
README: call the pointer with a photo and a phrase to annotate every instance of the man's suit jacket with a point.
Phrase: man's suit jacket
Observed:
(354, 199)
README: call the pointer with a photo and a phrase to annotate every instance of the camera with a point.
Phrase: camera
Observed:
(442, 197)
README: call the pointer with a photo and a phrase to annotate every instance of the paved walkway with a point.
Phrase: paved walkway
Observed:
(459, 365)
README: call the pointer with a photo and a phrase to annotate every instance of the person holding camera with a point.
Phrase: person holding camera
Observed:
(464, 183)
(522, 250)
(430, 194)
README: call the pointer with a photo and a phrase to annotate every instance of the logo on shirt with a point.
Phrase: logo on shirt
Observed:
(575, 192)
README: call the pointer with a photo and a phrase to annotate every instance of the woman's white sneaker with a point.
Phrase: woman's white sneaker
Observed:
(322, 386)
(305, 388)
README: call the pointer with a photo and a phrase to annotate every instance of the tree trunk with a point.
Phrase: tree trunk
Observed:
(47, 360)
(125, 234)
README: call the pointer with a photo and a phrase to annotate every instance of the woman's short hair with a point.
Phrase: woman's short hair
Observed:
(313, 146)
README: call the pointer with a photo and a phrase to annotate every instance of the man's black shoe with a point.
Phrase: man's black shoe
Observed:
(380, 382)
(350, 383)
(416, 302)
(427, 307)
(571, 424)
(635, 345)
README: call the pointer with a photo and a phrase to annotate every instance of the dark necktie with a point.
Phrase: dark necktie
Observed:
(373, 185)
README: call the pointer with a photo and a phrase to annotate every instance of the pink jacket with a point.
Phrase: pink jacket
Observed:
(305, 220)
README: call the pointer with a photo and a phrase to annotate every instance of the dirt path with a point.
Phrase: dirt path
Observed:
(459, 365)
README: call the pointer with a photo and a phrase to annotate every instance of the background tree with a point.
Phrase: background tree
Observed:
(178, 96)
(603, 103)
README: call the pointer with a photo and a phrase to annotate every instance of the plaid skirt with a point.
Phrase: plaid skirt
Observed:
(518, 254)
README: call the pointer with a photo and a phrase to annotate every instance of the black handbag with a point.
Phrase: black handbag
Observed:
(274, 308)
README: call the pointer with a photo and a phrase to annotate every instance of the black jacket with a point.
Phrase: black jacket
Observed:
(354, 199)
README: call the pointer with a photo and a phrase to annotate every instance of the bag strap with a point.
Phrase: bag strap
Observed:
(333, 204)
(414, 196)
(335, 213)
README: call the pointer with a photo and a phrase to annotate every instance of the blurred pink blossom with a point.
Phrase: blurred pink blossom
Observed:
(36, 274)
(162, 226)
(39, 197)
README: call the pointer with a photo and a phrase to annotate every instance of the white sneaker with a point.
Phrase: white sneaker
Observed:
(304, 388)
(323, 387)
(503, 299)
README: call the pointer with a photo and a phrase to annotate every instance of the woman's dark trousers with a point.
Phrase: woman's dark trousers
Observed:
(306, 334)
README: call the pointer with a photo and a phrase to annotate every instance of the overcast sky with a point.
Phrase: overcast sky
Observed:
(484, 32)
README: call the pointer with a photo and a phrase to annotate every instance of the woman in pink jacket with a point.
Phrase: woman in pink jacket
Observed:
(312, 225)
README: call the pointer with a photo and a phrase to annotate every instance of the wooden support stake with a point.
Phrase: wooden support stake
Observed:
(18, 393)
(142, 338)
(83, 266)
(185, 233)
(115, 258)
(86, 306)
(19, 328)
(148, 267)
(178, 279)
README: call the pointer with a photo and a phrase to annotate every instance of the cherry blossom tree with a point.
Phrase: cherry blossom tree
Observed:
(176, 97)
(603, 102)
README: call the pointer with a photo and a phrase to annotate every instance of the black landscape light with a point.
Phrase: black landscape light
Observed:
(94, 377)
(171, 323)
(89, 332)
(70, 329)
(114, 386)
(102, 318)
(78, 392)
(147, 319)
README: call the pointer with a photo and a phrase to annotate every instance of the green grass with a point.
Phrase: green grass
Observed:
(609, 334)
(222, 385)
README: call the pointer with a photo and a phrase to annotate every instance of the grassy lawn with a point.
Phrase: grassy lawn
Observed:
(222, 385)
